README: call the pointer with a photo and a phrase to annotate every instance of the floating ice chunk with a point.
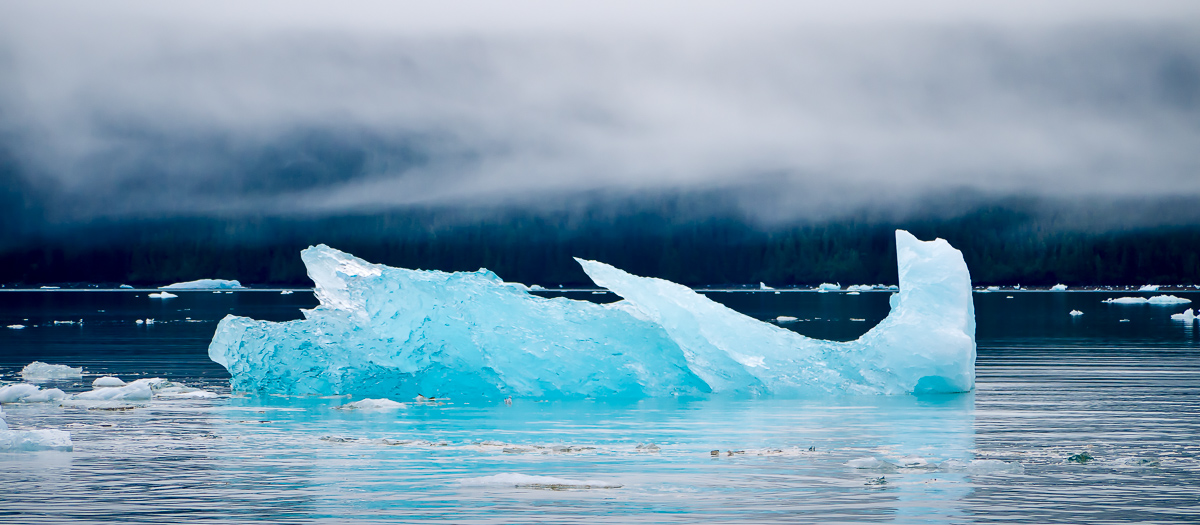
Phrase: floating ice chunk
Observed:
(27, 393)
(286, 292)
(859, 288)
(203, 284)
(1167, 299)
(536, 482)
(49, 287)
(1076, 313)
(126, 286)
(372, 404)
(34, 440)
(391, 332)
(829, 287)
(107, 382)
(140, 321)
(162, 295)
(763, 286)
(136, 391)
(536, 288)
(993, 288)
(1058, 288)
(16, 326)
(853, 293)
(785, 319)
(1148, 288)
(1157, 300)
(39, 370)
(1186, 316)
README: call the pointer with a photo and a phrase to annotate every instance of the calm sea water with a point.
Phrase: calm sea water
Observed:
(1120, 383)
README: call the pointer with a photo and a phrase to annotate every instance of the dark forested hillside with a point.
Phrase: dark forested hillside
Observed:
(1000, 246)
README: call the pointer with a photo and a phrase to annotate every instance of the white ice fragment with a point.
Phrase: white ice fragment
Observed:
(993, 288)
(536, 482)
(1148, 288)
(136, 391)
(27, 393)
(1167, 299)
(126, 286)
(49, 287)
(536, 287)
(286, 292)
(853, 293)
(107, 382)
(372, 404)
(162, 295)
(1076, 313)
(829, 287)
(203, 284)
(1058, 288)
(39, 370)
(396, 333)
(859, 288)
(763, 286)
(1157, 300)
(785, 319)
(34, 440)
(140, 321)
(1186, 316)
(16, 326)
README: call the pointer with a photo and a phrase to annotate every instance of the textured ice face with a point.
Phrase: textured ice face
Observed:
(391, 332)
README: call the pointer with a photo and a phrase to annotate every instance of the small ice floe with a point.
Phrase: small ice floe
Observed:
(536, 482)
(38, 370)
(162, 388)
(785, 319)
(1076, 313)
(1148, 288)
(68, 322)
(162, 295)
(49, 287)
(829, 287)
(107, 382)
(993, 288)
(853, 293)
(982, 466)
(16, 326)
(1058, 288)
(871, 463)
(372, 404)
(32, 440)
(1123, 321)
(1158, 300)
(763, 286)
(126, 286)
(203, 284)
(536, 288)
(1187, 316)
(859, 288)
(140, 321)
(857, 320)
(286, 292)
(27, 393)
(136, 391)
(1009, 297)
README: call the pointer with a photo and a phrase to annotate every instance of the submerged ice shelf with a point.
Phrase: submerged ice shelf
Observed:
(392, 332)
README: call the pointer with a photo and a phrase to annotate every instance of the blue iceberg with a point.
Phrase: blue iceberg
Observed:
(392, 332)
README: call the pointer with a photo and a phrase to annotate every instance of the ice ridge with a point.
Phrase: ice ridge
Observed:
(398, 333)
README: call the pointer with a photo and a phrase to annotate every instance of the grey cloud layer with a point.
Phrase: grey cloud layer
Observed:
(135, 111)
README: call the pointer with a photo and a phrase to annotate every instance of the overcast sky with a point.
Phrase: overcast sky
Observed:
(159, 108)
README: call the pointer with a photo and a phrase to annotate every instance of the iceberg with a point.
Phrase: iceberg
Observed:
(829, 287)
(38, 370)
(27, 393)
(107, 382)
(1187, 316)
(162, 295)
(16, 326)
(372, 404)
(1148, 288)
(763, 286)
(135, 391)
(397, 333)
(1076, 313)
(1058, 288)
(203, 284)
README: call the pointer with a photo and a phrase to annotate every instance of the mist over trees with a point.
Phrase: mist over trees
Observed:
(1002, 245)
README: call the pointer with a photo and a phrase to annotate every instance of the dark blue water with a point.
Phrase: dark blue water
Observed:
(1049, 386)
